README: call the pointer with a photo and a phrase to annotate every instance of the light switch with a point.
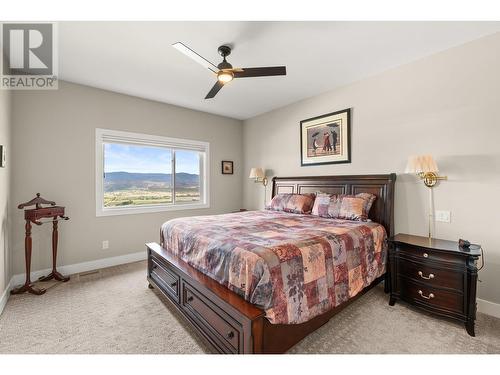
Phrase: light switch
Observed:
(443, 216)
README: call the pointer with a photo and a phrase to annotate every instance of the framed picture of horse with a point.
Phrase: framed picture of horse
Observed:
(326, 139)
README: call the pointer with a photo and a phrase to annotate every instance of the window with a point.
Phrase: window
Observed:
(137, 173)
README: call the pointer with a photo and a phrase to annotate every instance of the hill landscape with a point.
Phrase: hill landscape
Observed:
(125, 189)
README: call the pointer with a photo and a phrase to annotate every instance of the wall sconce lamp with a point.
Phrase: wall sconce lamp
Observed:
(426, 168)
(259, 176)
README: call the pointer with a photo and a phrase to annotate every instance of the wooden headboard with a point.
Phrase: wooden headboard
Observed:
(382, 185)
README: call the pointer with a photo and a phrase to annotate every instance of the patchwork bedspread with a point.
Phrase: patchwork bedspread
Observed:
(293, 266)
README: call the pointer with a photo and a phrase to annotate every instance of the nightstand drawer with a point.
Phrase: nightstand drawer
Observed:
(431, 276)
(423, 254)
(438, 298)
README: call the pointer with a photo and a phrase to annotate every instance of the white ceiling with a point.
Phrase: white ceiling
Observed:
(136, 58)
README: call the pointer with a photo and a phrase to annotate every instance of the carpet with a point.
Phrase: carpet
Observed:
(112, 311)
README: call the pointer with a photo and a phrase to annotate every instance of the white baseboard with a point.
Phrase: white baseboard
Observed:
(71, 269)
(5, 296)
(488, 308)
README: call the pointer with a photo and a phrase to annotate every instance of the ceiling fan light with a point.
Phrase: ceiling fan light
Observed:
(225, 76)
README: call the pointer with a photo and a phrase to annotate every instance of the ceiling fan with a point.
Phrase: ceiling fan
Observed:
(225, 71)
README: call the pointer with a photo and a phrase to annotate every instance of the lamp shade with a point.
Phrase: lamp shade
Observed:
(256, 173)
(421, 164)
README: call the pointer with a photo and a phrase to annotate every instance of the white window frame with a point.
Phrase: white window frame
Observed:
(103, 136)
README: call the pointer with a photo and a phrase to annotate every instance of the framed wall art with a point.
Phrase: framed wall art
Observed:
(326, 139)
(227, 167)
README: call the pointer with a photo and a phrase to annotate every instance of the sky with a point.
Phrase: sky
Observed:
(146, 159)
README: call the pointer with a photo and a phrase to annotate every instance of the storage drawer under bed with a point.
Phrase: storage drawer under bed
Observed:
(162, 274)
(210, 319)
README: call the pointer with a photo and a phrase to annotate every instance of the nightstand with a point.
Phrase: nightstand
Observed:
(435, 275)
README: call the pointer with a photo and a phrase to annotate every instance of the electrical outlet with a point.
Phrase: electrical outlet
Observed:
(105, 245)
(443, 216)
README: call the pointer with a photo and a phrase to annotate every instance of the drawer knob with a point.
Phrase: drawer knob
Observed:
(174, 284)
(230, 335)
(426, 255)
(154, 267)
(190, 299)
(421, 274)
(430, 296)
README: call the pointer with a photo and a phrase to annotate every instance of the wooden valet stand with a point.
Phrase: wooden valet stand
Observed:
(34, 215)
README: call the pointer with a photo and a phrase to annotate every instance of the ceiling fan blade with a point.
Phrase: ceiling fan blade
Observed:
(261, 72)
(214, 90)
(196, 57)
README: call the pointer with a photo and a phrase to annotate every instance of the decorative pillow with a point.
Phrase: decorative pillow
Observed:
(343, 206)
(369, 199)
(295, 203)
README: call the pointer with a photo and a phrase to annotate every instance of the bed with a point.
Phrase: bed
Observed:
(260, 281)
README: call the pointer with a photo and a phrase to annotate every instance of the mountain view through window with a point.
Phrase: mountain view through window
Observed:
(136, 175)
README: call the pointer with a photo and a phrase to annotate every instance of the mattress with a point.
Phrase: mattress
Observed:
(293, 266)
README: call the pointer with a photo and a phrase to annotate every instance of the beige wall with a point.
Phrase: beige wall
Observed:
(53, 152)
(5, 130)
(447, 105)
